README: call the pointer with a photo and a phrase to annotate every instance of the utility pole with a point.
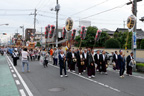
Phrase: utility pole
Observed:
(134, 11)
(41, 37)
(57, 8)
(35, 14)
(124, 24)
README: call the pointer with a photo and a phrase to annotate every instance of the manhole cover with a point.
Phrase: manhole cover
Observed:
(56, 89)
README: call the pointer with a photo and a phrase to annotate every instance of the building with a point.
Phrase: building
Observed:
(109, 32)
(140, 32)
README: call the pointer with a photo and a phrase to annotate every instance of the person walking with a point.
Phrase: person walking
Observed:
(15, 57)
(121, 61)
(62, 63)
(130, 60)
(115, 61)
(69, 59)
(97, 61)
(25, 60)
(55, 56)
(103, 63)
(90, 65)
(80, 62)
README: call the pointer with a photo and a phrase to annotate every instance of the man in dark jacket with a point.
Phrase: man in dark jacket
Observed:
(115, 60)
(103, 62)
(121, 61)
(129, 68)
(62, 63)
(69, 59)
(97, 60)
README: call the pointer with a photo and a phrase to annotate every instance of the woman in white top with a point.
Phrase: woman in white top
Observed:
(25, 59)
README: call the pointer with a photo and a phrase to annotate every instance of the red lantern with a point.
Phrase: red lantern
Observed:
(73, 34)
(47, 31)
(64, 32)
(52, 30)
(83, 32)
(98, 34)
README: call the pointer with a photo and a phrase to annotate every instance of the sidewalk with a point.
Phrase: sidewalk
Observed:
(7, 83)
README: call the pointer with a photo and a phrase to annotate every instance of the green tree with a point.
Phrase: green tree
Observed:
(89, 40)
(112, 43)
(122, 38)
(142, 44)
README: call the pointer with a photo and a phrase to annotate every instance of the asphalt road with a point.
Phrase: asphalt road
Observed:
(41, 82)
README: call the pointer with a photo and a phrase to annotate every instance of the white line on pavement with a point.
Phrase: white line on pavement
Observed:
(22, 92)
(12, 70)
(140, 77)
(14, 75)
(21, 79)
(17, 82)
(104, 85)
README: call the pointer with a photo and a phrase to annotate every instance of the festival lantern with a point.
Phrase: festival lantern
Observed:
(73, 34)
(131, 22)
(52, 30)
(47, 31)
(64, 33)
(98, 34)
(69, 24)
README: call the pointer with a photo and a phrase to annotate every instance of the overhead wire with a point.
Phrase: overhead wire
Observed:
(89, 8)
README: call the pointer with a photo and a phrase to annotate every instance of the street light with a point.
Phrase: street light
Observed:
(4, 24)
(23, 30)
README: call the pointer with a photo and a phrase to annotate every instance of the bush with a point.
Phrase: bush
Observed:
(142, 44)
(112, 43)
(140, 64)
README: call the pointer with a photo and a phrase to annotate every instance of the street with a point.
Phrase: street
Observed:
(47, 82)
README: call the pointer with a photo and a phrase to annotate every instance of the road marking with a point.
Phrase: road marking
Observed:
(10, 67)
(140, 77)
(17, 82)
(104, 85)
(14, 75)
(12, 70)
(21, 79)
(22, 92)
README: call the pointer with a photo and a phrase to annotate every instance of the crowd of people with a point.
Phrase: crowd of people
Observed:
(85, 61)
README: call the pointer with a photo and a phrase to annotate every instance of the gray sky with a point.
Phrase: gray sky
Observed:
(69, 8)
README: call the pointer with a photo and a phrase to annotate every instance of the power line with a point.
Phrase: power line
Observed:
(105, 11)
(13, 14)
(16, 9)
(89, 8)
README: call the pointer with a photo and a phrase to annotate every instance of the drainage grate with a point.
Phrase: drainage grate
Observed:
(56, 89)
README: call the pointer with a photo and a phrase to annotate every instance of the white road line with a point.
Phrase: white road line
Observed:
(22, 92)
(14, 75)
(21, 79)
(140, 77)
(104, 85)
(17, 82)
(12, 70)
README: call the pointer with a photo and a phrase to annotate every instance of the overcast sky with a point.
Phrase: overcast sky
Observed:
(21, 10)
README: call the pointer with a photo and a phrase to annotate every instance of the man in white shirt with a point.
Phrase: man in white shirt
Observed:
(115, 60)
(25, 60)
(103, 62)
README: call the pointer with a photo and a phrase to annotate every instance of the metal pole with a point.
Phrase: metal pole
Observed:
(23, 32)
(41, 37)
(35, 22)
(57, 25)
(134, 32)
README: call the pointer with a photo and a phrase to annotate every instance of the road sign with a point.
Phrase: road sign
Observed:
(134, 40)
